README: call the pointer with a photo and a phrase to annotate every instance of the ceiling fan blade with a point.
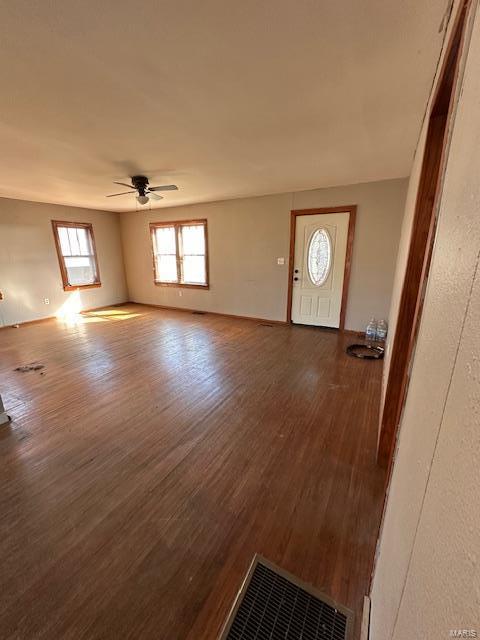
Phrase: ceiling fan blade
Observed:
(124, 193)
(124, 184)
(154, 196)
(165, 187)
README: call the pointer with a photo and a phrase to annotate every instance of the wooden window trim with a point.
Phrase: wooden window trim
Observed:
(61, 259)
(177, 224)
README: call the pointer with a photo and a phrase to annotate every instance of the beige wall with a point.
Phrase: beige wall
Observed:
(427, 579)
(246, 236)
(29, 270)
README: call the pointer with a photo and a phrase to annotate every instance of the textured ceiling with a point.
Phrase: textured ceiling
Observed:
(225, 98)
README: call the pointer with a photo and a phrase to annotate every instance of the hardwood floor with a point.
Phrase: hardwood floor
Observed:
(159, 451)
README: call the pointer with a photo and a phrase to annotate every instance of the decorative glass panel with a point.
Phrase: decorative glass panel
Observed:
(319, 257)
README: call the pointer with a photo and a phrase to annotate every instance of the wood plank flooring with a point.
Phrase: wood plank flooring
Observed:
(159, 451)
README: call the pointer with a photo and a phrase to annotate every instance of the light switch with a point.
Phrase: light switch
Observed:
(280, 261)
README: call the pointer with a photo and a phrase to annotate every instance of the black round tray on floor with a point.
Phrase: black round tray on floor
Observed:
(366, 351)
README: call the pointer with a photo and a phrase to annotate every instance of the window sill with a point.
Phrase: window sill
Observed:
(69, 287)
(182, 286)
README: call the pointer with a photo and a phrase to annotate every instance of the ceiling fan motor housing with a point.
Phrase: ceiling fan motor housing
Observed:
(140, 183)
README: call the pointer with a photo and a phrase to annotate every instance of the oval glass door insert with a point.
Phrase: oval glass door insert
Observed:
(319, 258)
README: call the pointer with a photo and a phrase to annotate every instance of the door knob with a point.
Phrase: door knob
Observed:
(296, 270)
(295, 278)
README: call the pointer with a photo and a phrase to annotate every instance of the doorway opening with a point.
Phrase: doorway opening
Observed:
(421, 243)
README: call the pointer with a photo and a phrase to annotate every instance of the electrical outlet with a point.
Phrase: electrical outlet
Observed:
(46, 301)
(280, 261)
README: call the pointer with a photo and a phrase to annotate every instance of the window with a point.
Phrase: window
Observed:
(180, 255)
(76, 254)
(319, 257)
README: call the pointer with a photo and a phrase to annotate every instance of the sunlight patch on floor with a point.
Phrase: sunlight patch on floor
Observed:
(106, 315)
(111, 312)
(71, 312)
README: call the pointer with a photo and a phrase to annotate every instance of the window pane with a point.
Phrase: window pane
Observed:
(84, 241)
(319, 257)
(166, 268)
(194, 270)
(64, 243)
(74, 244)
(193, 239)
(165, 240)
(80, 271)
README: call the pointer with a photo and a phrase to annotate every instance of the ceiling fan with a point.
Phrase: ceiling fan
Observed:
(144, 191)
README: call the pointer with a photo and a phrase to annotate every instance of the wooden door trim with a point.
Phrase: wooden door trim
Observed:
(422, 239)
(351, 209)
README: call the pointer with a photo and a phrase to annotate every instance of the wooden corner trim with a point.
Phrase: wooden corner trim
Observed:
(422, 238)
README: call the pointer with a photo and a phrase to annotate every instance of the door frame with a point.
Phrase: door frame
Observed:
(350, 209)
(422, 239)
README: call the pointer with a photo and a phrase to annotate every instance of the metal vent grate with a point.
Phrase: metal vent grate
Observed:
(272, 605)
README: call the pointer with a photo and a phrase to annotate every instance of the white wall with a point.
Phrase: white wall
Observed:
(427, 579)
(29, 270)
(246, 236)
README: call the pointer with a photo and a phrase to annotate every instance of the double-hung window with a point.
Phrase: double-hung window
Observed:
(180, 255)
(76, 254)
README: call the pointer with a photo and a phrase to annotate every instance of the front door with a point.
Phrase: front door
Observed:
(319, 268)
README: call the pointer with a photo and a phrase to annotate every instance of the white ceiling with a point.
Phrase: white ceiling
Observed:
(225, 98)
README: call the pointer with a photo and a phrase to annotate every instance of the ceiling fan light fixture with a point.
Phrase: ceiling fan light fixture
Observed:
(142, 199)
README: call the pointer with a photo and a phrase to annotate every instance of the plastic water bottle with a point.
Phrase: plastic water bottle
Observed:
(371, 332)
(382, 329)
